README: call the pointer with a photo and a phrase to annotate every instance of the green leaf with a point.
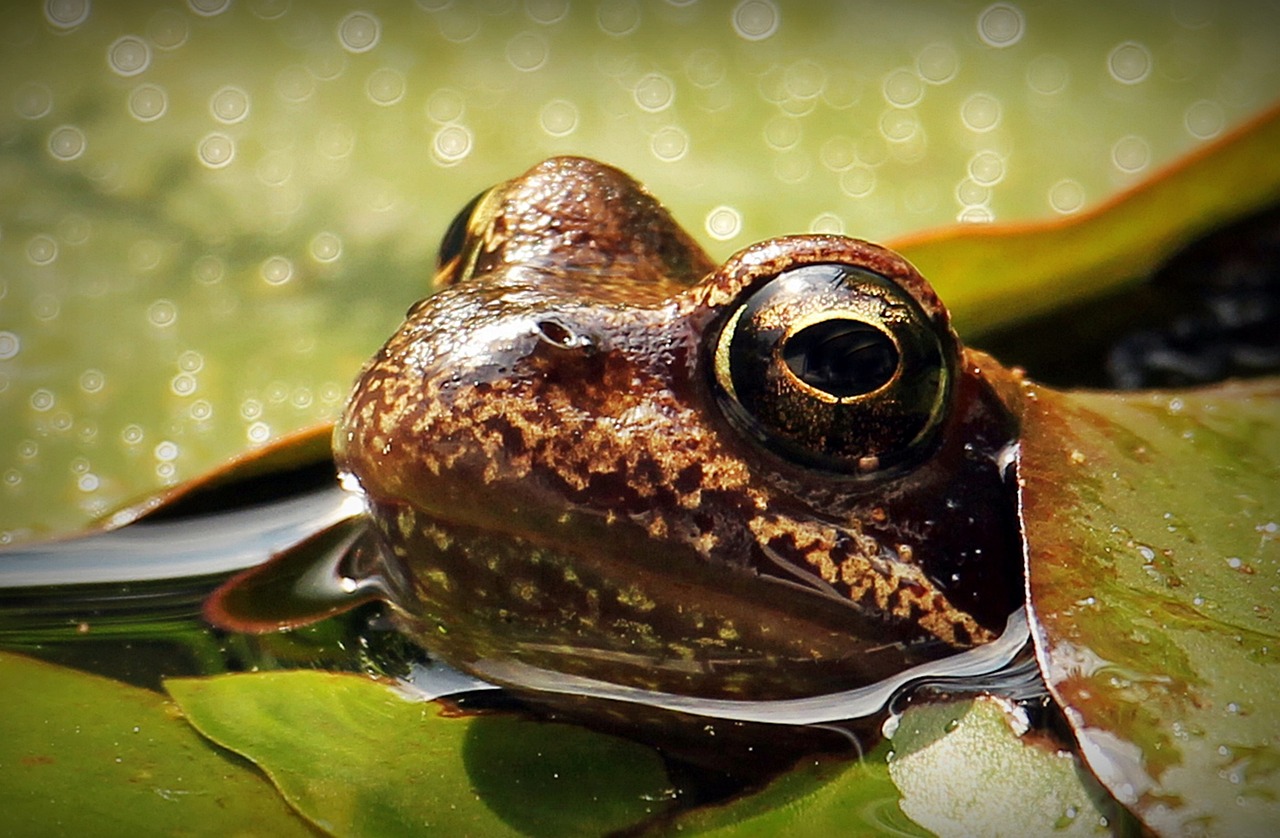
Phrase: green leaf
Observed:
(994, 276)
(818, 798)
(357, 758)
(1153, 558)
(85, 755)
(955, 769)
(964, 770)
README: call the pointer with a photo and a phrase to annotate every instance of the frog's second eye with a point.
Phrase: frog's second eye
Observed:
(834, 366)
(453, 256)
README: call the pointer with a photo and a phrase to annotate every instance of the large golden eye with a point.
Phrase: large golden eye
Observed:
(835, 366)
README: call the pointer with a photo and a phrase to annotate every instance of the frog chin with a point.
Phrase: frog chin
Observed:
(645, 616)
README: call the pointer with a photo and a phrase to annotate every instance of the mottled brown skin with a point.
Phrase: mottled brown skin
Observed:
(542, 448)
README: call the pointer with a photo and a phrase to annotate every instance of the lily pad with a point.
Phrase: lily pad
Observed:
(951, 769)
(357, 758)
(819, 798)
(1153, 533)
(997, 275)
(964, 768)
(85, 755)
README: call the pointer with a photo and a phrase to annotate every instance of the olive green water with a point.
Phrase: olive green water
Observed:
(212, 211)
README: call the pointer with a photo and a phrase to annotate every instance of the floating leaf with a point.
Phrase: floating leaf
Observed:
(818, 798)
(994, 276)
(357, 758)
(964, 770)
(85, 755)
(1154, 553)
(957, 768)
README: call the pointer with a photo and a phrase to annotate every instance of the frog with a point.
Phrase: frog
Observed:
(595, 453)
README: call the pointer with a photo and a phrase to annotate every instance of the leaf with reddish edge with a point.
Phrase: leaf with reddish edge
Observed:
(1153, 557)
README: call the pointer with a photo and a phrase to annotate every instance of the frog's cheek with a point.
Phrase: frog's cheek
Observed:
(661, 620)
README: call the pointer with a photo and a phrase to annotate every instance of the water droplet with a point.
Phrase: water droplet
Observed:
(986, 168)
(326, 247)
(12, 478)
(451, 144)
(301, 398)
(1234, 562)
(167, 29)
(782, 132)
(618, 17)
(129, 55)
(546, 12)
(183, 384)
(201, 410)
(132, 434)
(46, 307)
(837, 153)
(258, 432)
(527, 52)
(166, 451)
(209, 8)
(67, 142)
(216, 150)
(385, 87)
(1048, 74)
(10, 345)
(723, 223)
(208, 270)
(162, 313)
(1001, 25)
(33, 101)
(88, 482)
(980, 112)
(558, 117)
(42, 400)
(1129, 62)
(858, 181)
(359, 32)
(670, 144)
(976, 215)
(654, 92)
(756, 20)
(804, 79)
(92, 381)
(705, 67)
(1066, 196)
(899, 126)
(827, 223)
(446, 105)
(970, 193)
(1204, 119)
(937, 63)
(42, 250)
(1131, 153)
(295, 83)
(229, 105)
(902, 88)
(1146, 552)
(276, 270)
(269, 9)
(335, 140)
(275, 168)
(251, 409)
(148, 102)
(66, 14)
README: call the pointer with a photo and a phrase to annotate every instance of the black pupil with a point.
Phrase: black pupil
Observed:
(455, 237)
(842, 357)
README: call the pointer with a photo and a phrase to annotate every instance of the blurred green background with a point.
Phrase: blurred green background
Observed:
(212, 211)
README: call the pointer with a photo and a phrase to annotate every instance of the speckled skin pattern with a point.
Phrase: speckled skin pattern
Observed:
(542, 449)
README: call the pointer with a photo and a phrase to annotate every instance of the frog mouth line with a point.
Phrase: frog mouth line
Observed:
(999, 657)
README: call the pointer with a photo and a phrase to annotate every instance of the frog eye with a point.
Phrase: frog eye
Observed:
(835, 366)
(453, 256)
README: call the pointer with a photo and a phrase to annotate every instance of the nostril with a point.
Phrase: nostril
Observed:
(561, 336)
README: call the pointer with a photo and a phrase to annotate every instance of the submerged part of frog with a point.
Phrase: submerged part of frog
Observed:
(595, 454)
